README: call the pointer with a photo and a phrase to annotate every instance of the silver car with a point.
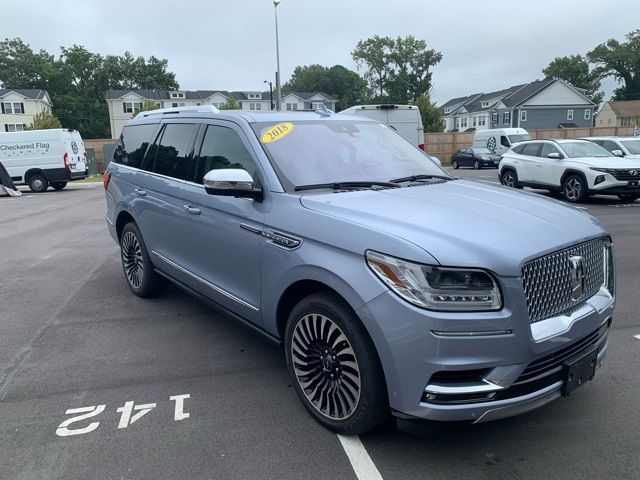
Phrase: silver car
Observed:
(392, 287)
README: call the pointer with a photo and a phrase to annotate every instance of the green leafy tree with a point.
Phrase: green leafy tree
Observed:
(230, 104)
(574, 69)
(620, 60)
(78, 80)
(147, 105)
(44, 120)
(345, 85)
(399, 70)
(431, 115)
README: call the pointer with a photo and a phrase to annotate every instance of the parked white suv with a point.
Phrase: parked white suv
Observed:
(577, 168)
(619, 146)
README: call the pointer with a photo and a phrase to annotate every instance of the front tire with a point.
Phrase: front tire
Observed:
(574, 189)
(476, 165)
(628, 197)
(509, 178)
(455, 165)
(37, 183)
(58, 185)
(136, 264)
(334, 365)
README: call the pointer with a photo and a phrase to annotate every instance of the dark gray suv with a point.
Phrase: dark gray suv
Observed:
(391, 286)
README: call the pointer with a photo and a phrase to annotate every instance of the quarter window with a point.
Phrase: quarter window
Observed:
(172, 152)
(222, 148)
(133, 143)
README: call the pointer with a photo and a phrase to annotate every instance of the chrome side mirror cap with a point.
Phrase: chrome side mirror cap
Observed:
(617, 153)
(231, 182)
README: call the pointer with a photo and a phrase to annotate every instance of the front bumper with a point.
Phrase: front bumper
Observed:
(504, 351)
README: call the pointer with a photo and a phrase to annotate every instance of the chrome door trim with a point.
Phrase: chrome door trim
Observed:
(205, 282)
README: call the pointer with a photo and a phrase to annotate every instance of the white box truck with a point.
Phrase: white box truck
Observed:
(43, 158)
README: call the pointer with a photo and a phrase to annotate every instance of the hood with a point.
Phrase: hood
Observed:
(463, 223)
(608, 162)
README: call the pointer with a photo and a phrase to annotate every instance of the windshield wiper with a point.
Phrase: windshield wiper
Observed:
(415, 178)
(342, 185)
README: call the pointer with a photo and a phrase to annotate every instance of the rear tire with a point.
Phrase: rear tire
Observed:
(574, 188)
(455, 165)
(37, 183)
(136, 264)
(628, 197)
(58, 185)
(509, 178)
(334, 365)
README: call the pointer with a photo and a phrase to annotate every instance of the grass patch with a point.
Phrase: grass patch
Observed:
(94, 178)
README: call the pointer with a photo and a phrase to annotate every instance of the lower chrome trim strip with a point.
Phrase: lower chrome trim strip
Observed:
(108, 219)
(461, 389)
(205, 282)
(484, 333)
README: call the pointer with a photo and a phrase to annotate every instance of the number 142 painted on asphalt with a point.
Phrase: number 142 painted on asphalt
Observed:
(130, 413)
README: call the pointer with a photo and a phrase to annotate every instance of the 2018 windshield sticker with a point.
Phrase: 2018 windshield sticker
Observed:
(276, 132)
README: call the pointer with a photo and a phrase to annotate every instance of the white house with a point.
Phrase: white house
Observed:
(19, 106)
(122, 103)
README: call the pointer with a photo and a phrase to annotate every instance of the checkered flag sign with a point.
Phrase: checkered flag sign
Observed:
(636, 131)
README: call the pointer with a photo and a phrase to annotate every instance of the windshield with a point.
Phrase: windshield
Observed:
(330, 151)
(519, 138)
(481, 151)
(632, 145)
(583, 149)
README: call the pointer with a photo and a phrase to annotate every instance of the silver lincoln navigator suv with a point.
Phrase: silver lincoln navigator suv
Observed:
(392, 287)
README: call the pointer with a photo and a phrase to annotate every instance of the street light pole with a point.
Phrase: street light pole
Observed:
(270, 93)
(278, 92)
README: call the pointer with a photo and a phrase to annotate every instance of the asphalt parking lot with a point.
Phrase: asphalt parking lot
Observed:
(170, 388)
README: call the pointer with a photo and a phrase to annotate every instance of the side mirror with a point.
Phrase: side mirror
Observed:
(435, 160)
(555, 155)
(231, 182)
(617, 153)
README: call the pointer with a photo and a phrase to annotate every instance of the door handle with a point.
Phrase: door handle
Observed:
(191, 210)
(140, 192)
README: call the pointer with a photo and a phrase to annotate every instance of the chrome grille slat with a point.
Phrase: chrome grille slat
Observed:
(624, 174)
(547, 280)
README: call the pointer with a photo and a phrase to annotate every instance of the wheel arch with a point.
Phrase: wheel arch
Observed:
(573, 171)
(33, 171)
(123, 218)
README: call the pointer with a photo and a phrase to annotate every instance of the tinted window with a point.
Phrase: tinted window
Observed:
(223, 148)
(633, 146)
(481, 151)
(531, 149)
(547, 148)
(172, 155)
(504, 141)
(133, 143)
(518, 149)
(610, 146)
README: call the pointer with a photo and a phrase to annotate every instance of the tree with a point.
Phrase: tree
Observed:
(397, 69)
(574, 69)
(147, 105)
(621, 61)
(230, 104)
(345, 85)
(78, 80)
(44, 120)
(432, 120)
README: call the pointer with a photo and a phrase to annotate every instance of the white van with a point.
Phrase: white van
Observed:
(404, 119)
(40, 158)
(499, 140)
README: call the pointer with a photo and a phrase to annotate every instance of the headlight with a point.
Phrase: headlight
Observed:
(437, 288)
(484, 157)
(609, 267)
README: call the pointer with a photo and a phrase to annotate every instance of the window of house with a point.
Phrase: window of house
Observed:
(158, 104)
(447, 110)
(625, 121)
(506, 117)
(181, 95)
(295, 106)
(129, 107)
(222, 148)
(483, 120)
(569, 114)
(288, 106)
(494, 118)
(12, 108)
(475, 119)
(523, 115)
(258, 106)
(485, 104)
(609, 121)
(457, 122)
(174, 104)
(463, 122)
(7, 108)
(172, 155)
(174, 95)
(198, 104)
(587, 114)
(15, 127)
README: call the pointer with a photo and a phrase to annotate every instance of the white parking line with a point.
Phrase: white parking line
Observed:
(361, 462)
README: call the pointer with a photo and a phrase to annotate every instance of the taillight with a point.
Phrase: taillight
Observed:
(105, 178)
(65, 157)
(421, 146)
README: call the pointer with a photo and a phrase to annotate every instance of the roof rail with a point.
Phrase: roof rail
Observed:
(193, 109)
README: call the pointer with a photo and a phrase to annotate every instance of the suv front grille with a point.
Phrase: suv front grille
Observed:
(624, 174)
(547, 280)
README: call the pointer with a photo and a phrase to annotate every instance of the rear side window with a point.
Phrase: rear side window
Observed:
(133, 144)
(172, 150)
(531, 149)
(222, 148)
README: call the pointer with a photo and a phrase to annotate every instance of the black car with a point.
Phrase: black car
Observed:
(475, 157)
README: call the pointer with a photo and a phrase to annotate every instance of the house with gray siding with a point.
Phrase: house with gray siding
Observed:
(548, 103)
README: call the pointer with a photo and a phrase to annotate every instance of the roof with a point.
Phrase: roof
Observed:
(460, 102)
(307, 95)
(625, 108)
(526, 92)
(201, 94)
(32, 93)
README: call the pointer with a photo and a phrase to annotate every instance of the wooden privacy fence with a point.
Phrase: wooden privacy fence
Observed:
(443, 145)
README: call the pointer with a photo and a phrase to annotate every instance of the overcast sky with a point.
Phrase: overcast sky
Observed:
(230, 44)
